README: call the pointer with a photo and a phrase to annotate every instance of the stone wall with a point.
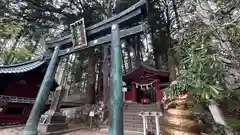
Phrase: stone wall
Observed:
(81, 113)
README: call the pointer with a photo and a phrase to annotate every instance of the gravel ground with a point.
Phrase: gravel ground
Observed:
(11, 131)
(16, 130)
(81, 132)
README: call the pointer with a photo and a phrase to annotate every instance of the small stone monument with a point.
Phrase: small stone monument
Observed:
(53, 120)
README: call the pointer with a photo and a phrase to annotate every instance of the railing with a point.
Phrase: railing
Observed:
(15, 99)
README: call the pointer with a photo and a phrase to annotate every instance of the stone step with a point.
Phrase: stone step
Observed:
(131, 113)
(139, 125)
(140, 105)
(134, 122)
(126, 132)
(139, 121)
(128, 107)
(140, 109)
(140, 128)
(137, 111)
(131, 117)
(133, 129)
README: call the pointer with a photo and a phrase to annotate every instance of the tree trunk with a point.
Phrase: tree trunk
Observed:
(100, 76)
(91, 99)
(172, 63)
(137, 50)
(141, 54)
(176, 13)
(128, 55)
(156, 58)
(109, 8)
(35, 46)
(123, 60)
(105, 71)
(105, 67)
(155, 52)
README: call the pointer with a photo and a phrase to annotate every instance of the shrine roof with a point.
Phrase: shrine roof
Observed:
(22, 67)
(145, 71)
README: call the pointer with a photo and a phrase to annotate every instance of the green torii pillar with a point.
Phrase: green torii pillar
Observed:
(42, 96)
(116, 97)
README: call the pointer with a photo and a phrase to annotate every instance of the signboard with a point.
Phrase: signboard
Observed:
(91, 114)
(78, 32)
(124, 89)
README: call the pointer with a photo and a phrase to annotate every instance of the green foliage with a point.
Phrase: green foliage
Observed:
(202, 67)
(234, 124)
(233, 102)
(19, 55)
(7, 30)
(233, 32)
(208, 49)
(43, 16)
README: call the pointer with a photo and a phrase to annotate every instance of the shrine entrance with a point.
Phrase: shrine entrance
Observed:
(144, 84)
(145, 95)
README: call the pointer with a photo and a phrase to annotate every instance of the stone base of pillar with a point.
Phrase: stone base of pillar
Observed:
(52, 123)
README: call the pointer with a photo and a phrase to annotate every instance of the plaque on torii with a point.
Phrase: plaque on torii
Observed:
(78, 32)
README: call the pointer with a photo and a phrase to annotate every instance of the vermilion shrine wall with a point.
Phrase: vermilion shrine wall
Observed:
(130, 95)
(26, 86)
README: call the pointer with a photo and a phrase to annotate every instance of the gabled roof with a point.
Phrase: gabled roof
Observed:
(145, 70)
(22, 67)
(25, 67)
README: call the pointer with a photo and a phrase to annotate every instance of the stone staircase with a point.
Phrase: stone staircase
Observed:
(134, 122)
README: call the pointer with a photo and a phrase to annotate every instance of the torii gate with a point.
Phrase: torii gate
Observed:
(111, 28)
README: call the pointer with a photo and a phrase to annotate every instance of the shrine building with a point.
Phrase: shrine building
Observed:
(145, 84)
(19, 87)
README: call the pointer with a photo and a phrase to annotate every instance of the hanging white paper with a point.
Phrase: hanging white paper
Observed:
(124, 89)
